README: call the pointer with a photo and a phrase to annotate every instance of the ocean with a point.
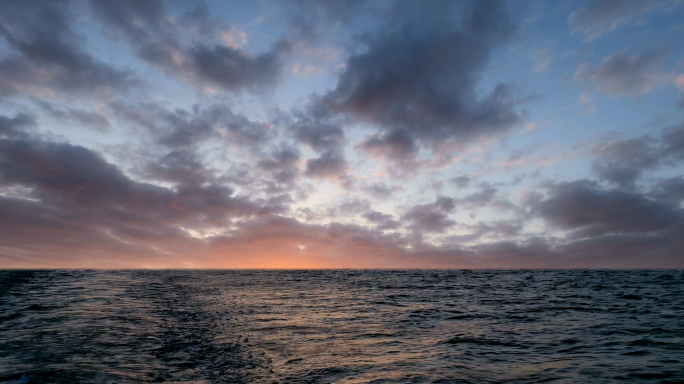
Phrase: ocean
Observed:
(345, 326)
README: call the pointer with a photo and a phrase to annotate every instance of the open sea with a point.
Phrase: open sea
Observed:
(348, 326)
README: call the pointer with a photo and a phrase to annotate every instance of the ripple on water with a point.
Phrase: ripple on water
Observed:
(341, 326)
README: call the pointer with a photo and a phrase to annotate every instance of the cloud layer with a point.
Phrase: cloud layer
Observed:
(340, 134)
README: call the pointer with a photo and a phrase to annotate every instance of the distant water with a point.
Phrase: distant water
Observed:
(341, 326)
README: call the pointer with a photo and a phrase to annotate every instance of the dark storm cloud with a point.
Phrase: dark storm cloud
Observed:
(418, 80)
(181, 128)
(45, 53)
(17, 125)
(159, 39)
(590, 211)
(432, 217)
(623, 162)
(623, 74)
(602, 16)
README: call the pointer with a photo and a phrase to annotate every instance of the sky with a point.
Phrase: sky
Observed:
(341, 134)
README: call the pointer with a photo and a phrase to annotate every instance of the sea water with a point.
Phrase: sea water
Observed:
(344, 326)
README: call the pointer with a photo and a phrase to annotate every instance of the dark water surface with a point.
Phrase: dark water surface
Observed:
(341, 326)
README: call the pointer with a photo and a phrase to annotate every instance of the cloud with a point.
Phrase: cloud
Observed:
(669, 189)
(418, 82)
(496, 229)
(460, 181)
(679, 81)
(318, 127)
(91, 120)
(234, 69)
(328, 166)
(86, 119)
(587, 210)
(623, 162)
(86, 203)
(182, 128)
(609, 251)
(348, 207)
(672, 144)
(622, 74)
(432, 217)
(276, 242)
(602, 16)
(46, 55)
(158, 39)
(76, 177)
(180, 166)
(16, 126)
(283, 165)
(621, 251)
(312, 20)
(381, 190)
(279, 242)
(381, 220)
(321, 129)
(77, 203)
(397, 146)
(375, 216)
(478, 199)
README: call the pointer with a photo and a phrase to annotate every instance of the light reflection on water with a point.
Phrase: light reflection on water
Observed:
(341, 326)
